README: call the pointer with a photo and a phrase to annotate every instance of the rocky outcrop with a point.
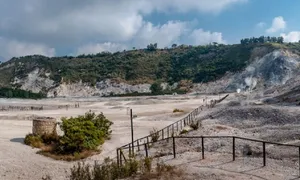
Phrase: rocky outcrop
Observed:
(273, 69)
(102, 88)
(36, 81)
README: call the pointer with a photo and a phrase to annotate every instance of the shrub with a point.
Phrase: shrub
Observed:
(49, 139)
(156, 88)
(82, 136)
(184, 131)
(154, 135)
(110, 170)
(84, 133)
(147, 164)
(195, 126)
(33, 140)
(177, 110)
(134, 116)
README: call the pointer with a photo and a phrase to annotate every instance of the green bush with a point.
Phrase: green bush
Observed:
(84, 133)
(33, 141)
(82, 136)
(49, 139)
(156, 88)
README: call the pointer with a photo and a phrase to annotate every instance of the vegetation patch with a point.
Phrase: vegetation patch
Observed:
(132, 169)
(184, 131)
(177, 110)
(82, 137)
(18, 93)
(154, 134)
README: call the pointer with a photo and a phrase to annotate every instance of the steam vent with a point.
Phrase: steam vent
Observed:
(43, 125)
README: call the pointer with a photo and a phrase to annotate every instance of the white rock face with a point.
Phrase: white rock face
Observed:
(102, 88)
(34, 81)
(274, 69)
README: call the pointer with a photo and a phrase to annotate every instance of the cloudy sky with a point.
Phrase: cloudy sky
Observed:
(72, 27)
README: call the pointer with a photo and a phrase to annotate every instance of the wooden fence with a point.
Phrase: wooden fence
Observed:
(168, 131)
(121, 156)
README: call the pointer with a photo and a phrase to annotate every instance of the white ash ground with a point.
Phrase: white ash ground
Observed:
(271, 123)
(18, 161)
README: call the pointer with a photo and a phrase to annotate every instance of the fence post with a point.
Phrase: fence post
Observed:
(146, 150)
(147, 140)
(138, 145)
(264, 153)
(172, 129)
(299, 160)
(162, 133)
(129, 150)
(177, 126)
(233, 148)
(202, 145)
(118, 157)
(181, 126)
(174, 147)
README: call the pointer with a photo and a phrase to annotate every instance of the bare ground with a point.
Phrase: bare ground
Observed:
(18, 161)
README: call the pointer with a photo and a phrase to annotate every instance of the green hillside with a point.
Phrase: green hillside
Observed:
(199, 64)
(149, 65)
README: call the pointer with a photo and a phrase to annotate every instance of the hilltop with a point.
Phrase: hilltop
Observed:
(132, 71)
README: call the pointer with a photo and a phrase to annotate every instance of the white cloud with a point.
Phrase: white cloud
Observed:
(278, 24)
(261, 25)
(71, 23)
(96, 48)
(164, 35)
(201, 37)
(293, 36)
(13, 48)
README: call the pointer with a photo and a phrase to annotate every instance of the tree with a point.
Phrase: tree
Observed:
(261, 39)
(174, 45)
(156, 88)
(152, 47)
(280, 40)
(273, 39)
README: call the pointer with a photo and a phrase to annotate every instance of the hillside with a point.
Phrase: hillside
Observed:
(132, 71)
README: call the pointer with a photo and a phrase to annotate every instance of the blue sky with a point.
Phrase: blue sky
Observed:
(72, 27)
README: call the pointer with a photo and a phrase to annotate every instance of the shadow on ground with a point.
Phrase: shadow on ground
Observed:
(17, 140)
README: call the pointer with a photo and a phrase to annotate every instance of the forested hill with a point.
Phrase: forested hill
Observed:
(195, 63)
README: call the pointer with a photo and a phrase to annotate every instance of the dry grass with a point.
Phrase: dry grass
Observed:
(163, 172)
(154, 135)
(218, 127)
(178, 110)
(68, 157)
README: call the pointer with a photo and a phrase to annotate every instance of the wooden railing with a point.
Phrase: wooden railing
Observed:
(169, 131)
(121, 156)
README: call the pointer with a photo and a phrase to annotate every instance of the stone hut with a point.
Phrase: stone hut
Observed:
(43, 125)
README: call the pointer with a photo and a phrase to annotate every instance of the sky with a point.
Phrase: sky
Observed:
(74, 27)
